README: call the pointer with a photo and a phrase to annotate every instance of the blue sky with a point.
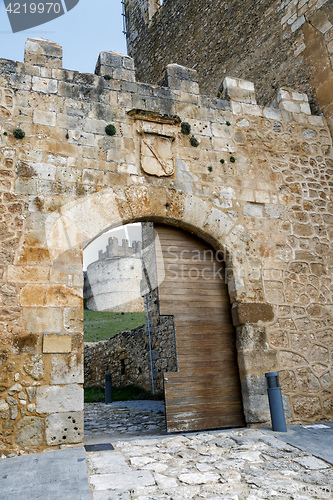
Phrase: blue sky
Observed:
(89, 28)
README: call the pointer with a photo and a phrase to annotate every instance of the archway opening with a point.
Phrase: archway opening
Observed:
(186, 348)
(124, 337)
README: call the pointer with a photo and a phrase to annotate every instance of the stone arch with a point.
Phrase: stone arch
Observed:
(81, 221)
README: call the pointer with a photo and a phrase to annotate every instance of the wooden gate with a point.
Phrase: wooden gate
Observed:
(205, 391)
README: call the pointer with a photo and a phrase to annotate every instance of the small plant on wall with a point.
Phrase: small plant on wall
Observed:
(185, 128)
(110, 129)
(194, 142)
(19, 133)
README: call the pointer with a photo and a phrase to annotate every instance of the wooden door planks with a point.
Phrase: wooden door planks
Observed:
(205, 392)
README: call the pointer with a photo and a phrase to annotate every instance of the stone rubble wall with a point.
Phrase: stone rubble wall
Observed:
(267, 206)
(273, 44)
(127, 357)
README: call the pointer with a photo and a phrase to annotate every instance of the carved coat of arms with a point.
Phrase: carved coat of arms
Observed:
(157, 133)
(156, 155)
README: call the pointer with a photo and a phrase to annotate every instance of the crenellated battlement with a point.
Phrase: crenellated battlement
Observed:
(42, 73)
(277, 44)
(114, 250)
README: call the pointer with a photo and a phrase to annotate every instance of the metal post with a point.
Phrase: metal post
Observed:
(275, 402)
(108, 388)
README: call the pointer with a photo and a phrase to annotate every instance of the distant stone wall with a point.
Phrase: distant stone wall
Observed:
(127, 357)
(112, 283)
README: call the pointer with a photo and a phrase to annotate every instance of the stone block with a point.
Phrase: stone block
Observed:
(129, 480)
(59, 399)
(297, 96)
(57, 343)
(251, 337)
(104, 463)
(252, 313)
(175, 77)
(251, 109)
(274, 211)
(272, 114)
(253, 210)
(66, 369)
(26, 186)
(25, 343)
(254, 384)
(235, 89)
(291, 106)
(30, 431)
(64, 428)
(73, 319)
(305, 108)
(218, 224)
(26, 274)
(42, 52)
(47, 118)
(116, 65)
(320, 21)
(256, 408)
(44, 85)
(41, 319)
(298, 23)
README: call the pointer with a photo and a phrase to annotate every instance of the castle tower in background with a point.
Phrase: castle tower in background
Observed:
(112, 283)
(272, 44)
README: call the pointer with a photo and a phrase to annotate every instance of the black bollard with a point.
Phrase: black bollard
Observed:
(108, 388)
(275, 402)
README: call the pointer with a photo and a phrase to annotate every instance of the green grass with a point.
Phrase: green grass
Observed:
(126, 393)
(103, 325)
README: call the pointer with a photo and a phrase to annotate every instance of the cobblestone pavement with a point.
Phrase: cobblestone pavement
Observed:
(244, 464)
(130, 418)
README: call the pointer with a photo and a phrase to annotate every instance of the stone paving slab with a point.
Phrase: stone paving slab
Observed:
(246, 464)
(54, 475)
(105, 422)
(315, 439)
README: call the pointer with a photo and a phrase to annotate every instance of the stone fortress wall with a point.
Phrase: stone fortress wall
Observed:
(267, 207)
(112, 283)
(136, 357)
(271, 43)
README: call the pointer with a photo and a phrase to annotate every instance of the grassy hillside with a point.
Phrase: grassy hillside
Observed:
(126, 393)
(103, 325)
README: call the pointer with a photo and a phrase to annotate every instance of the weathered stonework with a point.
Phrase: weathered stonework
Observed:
(271, 43)
(267, 208)
(130, 359)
